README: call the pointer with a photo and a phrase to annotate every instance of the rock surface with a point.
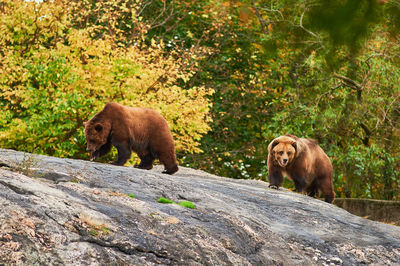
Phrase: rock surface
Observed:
(72, 212)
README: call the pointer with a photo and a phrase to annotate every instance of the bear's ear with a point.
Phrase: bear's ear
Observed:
(273, 144)
(98, 127)
(294, 144)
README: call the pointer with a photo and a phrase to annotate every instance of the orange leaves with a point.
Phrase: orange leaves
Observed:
(244, 14)
(226, 4)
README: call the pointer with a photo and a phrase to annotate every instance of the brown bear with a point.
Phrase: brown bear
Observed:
(303, 161)
(141, 130)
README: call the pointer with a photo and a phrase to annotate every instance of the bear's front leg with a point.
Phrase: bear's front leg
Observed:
(124, 153)
(275, 179)
(106, 148)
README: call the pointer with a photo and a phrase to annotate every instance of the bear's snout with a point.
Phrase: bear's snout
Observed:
(89, 149)
(283, 161)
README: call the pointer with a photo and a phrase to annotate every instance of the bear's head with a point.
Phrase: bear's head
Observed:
(96, 134)
(283, 150)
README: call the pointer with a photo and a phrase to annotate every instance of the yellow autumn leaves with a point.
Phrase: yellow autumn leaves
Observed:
(56, 71)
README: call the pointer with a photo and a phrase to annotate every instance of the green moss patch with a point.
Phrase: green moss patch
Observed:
(185, 203)
(165, 201)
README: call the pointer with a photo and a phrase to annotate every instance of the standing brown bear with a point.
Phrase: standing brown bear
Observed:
(141, 130)
(302, 161)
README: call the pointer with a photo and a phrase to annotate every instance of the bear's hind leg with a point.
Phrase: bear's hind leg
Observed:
(329, 197)
(299, 183)
(326, 186)
(312, 190)
(171, 170)
(169, 162)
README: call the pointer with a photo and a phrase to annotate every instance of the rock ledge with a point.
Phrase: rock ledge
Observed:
(74, 212)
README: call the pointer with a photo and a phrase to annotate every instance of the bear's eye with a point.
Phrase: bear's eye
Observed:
(289, 153)
(280, 153)
(98, 128)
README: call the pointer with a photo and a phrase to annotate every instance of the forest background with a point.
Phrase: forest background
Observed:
(229, 76)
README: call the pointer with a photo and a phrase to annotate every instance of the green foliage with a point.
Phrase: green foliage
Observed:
(131, 195)
(371, 170)
(47, 117)
(323, 69)
(346, 22)
(53, 79)
(304, 68)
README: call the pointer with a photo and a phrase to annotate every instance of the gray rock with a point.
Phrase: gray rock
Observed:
(73, 212)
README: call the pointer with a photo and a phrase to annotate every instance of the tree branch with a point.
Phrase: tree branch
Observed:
(348, 80)
(368, 133)
(260, 19)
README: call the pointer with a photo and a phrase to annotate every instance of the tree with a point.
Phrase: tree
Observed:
(321, 69)
(282, 68)
(57, 72)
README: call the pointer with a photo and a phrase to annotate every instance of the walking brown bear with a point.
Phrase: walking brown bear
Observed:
(303, 161)
(141, 130)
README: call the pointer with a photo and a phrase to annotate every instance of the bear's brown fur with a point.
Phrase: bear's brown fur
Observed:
(141, 130)
(303, 161)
